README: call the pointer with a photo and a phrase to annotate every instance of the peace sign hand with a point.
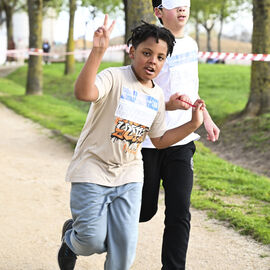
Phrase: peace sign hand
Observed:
(102, 35)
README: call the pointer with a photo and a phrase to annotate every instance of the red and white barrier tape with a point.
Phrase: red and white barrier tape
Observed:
(235, 56)
(202, 55)
(35, 51)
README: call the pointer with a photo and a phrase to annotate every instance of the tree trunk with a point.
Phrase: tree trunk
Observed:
(9, 13)
(209, 48)
(70, 59)
(34, 75)
(8, 8)
(259, 98)
(221, 25)
(208, 30)
(135, 11)
(220, 34)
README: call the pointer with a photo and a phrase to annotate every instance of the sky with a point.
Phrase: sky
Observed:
(85, 25)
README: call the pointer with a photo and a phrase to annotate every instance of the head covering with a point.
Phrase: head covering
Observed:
(170, 4)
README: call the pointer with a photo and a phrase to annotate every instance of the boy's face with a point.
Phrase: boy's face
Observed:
(173, 19)
(148, 59)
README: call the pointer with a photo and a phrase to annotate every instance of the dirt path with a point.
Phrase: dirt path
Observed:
(34, 202)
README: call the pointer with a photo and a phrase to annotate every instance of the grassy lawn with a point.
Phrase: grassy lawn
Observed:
(225, 89)
(227, 192)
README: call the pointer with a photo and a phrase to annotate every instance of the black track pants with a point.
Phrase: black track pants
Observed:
(174, 165)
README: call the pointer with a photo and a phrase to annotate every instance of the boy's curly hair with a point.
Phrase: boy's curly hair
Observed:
(146, 30)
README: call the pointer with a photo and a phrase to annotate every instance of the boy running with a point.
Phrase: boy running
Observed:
(106, 171)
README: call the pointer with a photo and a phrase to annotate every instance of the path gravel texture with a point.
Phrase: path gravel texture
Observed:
(34, 203)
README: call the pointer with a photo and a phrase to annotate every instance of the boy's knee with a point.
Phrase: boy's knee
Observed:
(88, 245)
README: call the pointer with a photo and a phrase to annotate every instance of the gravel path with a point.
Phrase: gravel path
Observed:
(34, 202)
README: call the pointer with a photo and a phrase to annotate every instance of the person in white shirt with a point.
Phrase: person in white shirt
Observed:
(174, 165)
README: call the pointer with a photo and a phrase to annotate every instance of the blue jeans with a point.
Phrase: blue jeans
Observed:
(105, 220)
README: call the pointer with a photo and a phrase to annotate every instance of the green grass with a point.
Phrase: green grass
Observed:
(50, 112)
(233, 194)
(227, 192)
(225, 89)
(55, 83)
(57, 108)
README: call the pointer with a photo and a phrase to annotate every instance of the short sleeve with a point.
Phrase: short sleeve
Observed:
(104, 83)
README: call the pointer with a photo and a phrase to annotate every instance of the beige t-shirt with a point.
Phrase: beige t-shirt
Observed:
(108, 150)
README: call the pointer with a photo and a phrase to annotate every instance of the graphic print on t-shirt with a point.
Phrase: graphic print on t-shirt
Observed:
(135, 113)
(132, 133)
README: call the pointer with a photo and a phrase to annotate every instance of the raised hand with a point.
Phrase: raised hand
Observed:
(102, 34)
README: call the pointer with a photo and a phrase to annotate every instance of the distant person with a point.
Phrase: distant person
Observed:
(174, 165)
(106, 171)
(46, 49)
